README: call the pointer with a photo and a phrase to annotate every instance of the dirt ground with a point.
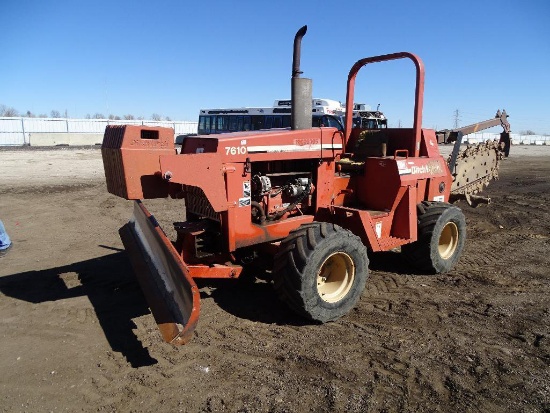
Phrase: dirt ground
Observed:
(76, 334)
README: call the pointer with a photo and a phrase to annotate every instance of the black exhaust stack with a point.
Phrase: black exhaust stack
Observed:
(301, 88)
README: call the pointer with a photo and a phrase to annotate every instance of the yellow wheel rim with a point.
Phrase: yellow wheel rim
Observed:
(448, 240)
(335, 277)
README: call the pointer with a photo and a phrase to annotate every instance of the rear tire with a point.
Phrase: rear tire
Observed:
(441, 237)
(320, 271)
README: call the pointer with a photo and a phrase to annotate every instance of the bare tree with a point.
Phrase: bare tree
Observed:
(29, 114)
(55, 114)
(129, 117)
(8, 112)
(111, 117)
(156, 116)
(527, 132)
(88, 116)
(98, 116)
(168, 118)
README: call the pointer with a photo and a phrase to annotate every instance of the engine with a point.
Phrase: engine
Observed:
(280, 195)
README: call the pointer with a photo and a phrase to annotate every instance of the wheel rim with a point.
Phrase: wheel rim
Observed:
(335, 277)
(448, 241)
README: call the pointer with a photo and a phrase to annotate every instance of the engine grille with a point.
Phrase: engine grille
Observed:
(197, 203)
(112, 160)
(113, 136)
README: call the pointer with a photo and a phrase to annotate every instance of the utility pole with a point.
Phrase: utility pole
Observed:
(457, 118)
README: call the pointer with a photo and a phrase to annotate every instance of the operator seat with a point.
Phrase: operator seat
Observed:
(364, 143)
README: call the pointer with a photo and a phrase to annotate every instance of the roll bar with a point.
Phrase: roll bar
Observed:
(418, 98)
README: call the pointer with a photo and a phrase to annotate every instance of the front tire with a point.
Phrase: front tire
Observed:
(441, 237)
(320, 271)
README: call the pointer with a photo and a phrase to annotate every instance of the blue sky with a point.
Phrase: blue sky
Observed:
(175, 57)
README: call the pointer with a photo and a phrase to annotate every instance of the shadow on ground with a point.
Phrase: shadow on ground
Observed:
(109, 284)
(250, 299)
(393, 262)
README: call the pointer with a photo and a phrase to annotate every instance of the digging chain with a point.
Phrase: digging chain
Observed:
(476, 166)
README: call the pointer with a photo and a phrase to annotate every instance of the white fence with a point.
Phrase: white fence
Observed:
(517, 139)
(17, 131)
